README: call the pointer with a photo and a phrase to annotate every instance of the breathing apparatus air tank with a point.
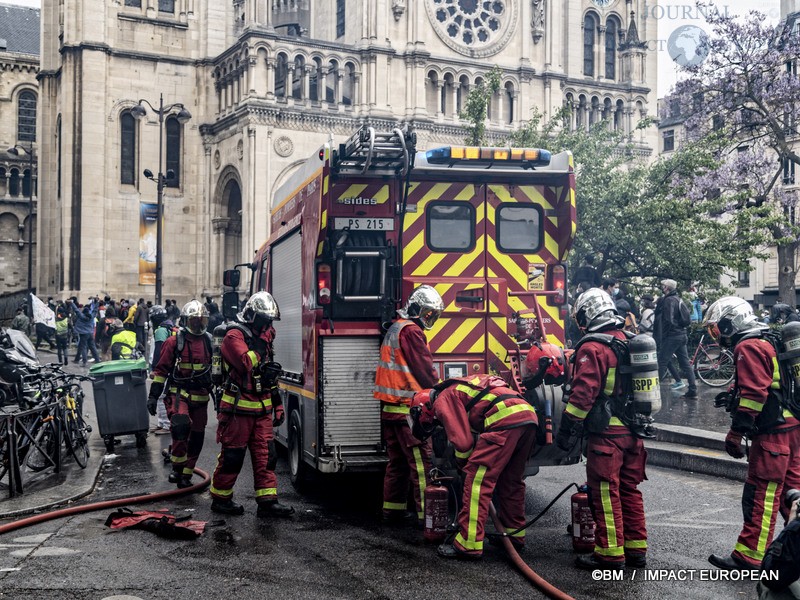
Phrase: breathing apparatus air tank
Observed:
(437, 512)
(790, 334)
(644, 373)
(582, 522)
(216, 353)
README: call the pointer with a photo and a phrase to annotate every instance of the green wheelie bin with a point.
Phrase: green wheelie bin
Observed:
(120, 399)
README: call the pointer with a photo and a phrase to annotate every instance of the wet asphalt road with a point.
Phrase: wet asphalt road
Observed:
(335, 546)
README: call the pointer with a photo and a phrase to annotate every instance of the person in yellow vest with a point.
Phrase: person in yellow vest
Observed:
(123, 341)
(406, 367)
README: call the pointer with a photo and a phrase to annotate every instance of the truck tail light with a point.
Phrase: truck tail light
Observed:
(323, 284)
(558, 281)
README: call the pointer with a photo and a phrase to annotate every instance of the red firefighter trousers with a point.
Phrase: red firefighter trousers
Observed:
(495, 468)
(409, 463)
(774, 467)
(187, 441)
(615, 466)
(237, 434)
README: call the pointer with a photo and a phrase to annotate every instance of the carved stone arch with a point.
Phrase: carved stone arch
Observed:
(24, 87)
(227, 221)
(284, 175)
(260, 47)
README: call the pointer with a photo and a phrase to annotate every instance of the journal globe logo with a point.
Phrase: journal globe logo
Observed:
(688, 45)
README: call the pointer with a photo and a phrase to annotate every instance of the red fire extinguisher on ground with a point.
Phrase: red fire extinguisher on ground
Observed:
(582, 521)
(437, 514)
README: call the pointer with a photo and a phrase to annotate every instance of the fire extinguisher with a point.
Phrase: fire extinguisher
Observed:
(582, 521)
(437, 514)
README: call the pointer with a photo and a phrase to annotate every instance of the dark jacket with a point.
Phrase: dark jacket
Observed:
(783, 556)
(667, 321)
(84, 323)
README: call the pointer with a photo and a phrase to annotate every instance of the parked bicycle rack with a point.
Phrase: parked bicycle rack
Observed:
(19, 426)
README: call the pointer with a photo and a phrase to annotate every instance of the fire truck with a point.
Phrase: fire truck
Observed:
(358, 227)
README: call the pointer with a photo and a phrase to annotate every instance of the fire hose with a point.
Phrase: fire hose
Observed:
(76, 510)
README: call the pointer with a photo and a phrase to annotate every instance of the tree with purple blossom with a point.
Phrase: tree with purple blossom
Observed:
(745, 97)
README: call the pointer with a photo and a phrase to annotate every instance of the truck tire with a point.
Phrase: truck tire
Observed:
(298, 470)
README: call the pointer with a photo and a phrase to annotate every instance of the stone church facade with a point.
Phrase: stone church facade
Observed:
(268, 81)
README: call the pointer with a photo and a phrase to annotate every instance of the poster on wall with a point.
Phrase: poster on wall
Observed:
(148, 215)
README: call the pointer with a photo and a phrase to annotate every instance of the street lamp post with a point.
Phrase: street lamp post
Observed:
(183, 116)
(19, 151)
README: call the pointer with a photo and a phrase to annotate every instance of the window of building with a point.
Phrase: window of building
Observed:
(281, 75)
(451, 227)
(166, 6)
(173, 128)
(134, 3)
(127, 168)
(26, 117)
(743, 279)
(788, 171)
(612, 31)
(669, 140)
(340, 18)
(518, 228)
(589, 27)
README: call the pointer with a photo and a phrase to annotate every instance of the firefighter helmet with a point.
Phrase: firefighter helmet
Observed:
(594, 309)
(194, 317)
(157, 314)
(421, 418)
(545, 353)
(260, 310)
(424, 304)
(729, 316)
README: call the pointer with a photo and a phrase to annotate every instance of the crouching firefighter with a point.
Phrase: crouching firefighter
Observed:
(249, 408)
(406, 367)
(493, 431)
(184, 368)
(764, 408)
(612, 406)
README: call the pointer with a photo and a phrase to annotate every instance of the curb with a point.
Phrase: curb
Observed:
(691, 437)
(695, 460)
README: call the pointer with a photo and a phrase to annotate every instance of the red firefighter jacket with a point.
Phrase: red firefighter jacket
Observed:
(192, 376)
(595, 371)
(241, 362)
(450, 407)
(757, 380)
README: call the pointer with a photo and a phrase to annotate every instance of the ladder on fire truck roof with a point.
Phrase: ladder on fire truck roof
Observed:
(376, 153)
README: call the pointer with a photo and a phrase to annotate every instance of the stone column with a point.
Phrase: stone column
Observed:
(220, 228)
(501, 103)
(322, 84)
(252, 63)
(289, 80)
(586, 108)
(454, 99)
(439, 93)
(601, 66)
(339, 87)
(357, 99)
(306, 84)
(270, 79)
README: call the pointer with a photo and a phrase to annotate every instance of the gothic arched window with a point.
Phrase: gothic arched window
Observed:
(589, 29)
(173, 128)
(127, 163)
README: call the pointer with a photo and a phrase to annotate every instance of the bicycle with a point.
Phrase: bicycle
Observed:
(76, 431)
(713, 364)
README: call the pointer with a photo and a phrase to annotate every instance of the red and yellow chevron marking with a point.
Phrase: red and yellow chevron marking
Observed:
(378, 191)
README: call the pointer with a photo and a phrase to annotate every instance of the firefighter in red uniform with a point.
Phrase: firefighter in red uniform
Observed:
(767, 415)
(184, 368)
(615, 457)
(249, 409)
(493, 430)
(406, 367)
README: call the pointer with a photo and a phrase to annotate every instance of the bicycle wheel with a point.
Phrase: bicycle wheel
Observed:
(715, 368)
(4, 458)
(76, 437)
(42, 453)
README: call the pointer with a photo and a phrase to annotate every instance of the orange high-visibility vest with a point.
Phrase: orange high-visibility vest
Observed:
(394, 382)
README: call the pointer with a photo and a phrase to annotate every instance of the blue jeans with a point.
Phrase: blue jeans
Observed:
(87, 340)
(676, 344)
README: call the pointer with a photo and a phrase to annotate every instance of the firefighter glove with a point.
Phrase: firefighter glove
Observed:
(567, 432)
(733, 444)
(151, 405)
(279, 416)
(723, 400)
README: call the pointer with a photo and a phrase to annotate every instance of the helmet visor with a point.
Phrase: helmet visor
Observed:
(428, 316)
(196, 325)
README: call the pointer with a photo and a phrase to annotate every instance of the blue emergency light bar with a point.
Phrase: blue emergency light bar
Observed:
(469, 154)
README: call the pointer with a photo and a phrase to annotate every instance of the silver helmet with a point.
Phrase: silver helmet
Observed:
(194, 317)
(728, 316)
(260, 307)
(424, 304)
(594, 309)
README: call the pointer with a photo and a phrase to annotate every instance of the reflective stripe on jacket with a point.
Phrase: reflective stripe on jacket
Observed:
(394, 382)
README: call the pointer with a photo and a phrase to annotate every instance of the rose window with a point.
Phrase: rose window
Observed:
(473, 27)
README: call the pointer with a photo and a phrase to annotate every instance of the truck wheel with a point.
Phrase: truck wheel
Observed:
(298, 471)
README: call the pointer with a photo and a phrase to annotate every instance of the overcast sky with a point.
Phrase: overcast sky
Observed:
(671, 14)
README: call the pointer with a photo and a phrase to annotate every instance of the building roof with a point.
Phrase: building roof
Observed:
(19, 29)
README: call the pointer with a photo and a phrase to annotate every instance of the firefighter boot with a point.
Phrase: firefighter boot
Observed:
(730, 563)
(274, 508)
(175, 477)
(589, 562)
(226, 507)
(185, 482)
(450, 551)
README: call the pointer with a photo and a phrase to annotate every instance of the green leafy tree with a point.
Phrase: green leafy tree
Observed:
(477, 105)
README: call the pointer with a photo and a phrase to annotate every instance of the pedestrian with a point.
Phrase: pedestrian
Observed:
(648, 315)
(173, 312)
(624, 310)
(183, 371)
(587, 274)
(123, 341)
(406, 367)
(211, 306)
(615, 457)
(62, 335)
(249, 409)
(611, 287)
(84, 327)
(21, 322)
(162, 329)
(765, 413)
(140, 319)
(492, 459)
(672, 317)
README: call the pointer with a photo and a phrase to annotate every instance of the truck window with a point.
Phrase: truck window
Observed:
(262, 279)
(519, 228)
(451, 226)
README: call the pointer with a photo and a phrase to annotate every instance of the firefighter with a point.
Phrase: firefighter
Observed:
(184, 368)
(493, 461)
(249, 409)
(406, 367)
(764, 412)
(615, 457)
